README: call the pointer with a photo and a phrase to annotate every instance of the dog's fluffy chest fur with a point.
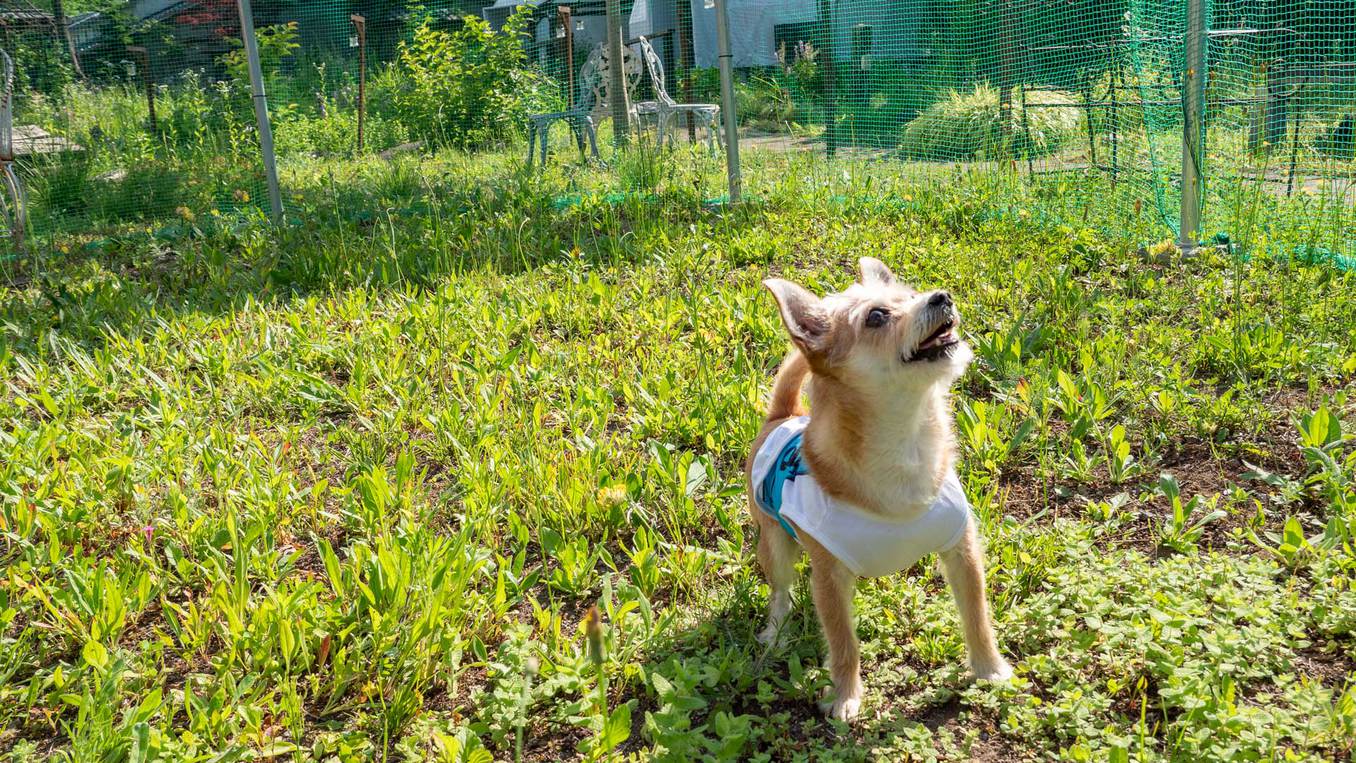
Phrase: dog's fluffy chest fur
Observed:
(891, 462)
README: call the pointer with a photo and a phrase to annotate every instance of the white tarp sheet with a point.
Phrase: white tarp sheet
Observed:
(752, 24)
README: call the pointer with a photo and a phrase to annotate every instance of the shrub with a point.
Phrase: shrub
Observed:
(469, 88)
(276, 43)
(968, 125)
(69, 185)
(336, 133)
(197, 112)
(147, 191)
(803, 70)
(764, 102)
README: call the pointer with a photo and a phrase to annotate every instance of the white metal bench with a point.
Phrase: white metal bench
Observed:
(664, 107)
(13, 204)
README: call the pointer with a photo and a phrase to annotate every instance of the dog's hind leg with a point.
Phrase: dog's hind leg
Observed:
(964, 566)
(777, 555)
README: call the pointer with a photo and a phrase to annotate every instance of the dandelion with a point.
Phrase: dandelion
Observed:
(1164, 250)
(241, 195)
(185, 213)
(611, 496)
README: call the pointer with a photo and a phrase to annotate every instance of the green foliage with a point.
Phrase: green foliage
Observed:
(343, 490)
(336, 134)
(276, 44)
(468, 88)
(1185, 524)
(971, 125)
(763, 102)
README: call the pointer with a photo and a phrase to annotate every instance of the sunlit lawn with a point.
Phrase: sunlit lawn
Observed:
(346, 491)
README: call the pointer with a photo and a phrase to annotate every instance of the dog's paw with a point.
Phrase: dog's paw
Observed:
(772, 636)
(842, 708)
(999, 671)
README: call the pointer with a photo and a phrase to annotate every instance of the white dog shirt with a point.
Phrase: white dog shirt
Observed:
(870, 545)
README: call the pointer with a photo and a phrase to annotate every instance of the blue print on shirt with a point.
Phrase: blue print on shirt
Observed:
(788, 467)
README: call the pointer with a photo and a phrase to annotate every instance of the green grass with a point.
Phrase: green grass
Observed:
(970, 125)
(346, 491)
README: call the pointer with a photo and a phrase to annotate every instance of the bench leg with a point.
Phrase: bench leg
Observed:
(17, 213)
(664, 128)
(593, 139)
(577, 127)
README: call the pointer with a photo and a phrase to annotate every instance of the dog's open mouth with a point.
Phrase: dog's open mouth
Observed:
(938, 344)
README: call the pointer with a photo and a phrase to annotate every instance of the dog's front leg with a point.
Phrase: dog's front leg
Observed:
(964, 567)
(833, 585)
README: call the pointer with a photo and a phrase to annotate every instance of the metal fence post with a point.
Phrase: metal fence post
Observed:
(727, 102)
(360, 25)
(1193, 114)
(261, 108)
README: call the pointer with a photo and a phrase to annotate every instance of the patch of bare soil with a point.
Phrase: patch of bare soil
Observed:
(1202, 468)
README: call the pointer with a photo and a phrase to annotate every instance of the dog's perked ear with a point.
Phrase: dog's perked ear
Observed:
(805, 318)
(874, 272)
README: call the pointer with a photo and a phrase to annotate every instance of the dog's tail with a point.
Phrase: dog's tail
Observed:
(785, 401)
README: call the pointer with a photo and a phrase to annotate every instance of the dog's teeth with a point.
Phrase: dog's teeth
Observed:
(934, 341)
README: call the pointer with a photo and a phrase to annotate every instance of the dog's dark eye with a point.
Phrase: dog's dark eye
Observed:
(877, 317)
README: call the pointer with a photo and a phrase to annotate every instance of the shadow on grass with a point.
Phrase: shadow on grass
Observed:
(715, 673)
(405, 226)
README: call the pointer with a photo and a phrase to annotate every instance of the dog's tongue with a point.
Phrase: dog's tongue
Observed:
(941, 337)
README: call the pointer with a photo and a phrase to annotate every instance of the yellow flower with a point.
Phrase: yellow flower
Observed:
(241, 195)
(185, 213)
(1164, 250)
(612, 495)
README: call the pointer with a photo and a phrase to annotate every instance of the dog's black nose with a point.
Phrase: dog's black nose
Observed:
(940, 299)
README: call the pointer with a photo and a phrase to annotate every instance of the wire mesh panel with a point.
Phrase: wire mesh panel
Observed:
(1059, 92)
(138, 114)
(130, 114)
(1088, 92)
(1282, 122)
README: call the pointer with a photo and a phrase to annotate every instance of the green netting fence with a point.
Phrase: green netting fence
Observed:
(138, 115)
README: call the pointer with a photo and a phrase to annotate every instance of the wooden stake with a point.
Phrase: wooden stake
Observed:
(143, 57)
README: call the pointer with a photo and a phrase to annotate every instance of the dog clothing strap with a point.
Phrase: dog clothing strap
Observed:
(788, 466)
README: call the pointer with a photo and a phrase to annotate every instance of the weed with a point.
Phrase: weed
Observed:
(1185, 524)
(343, 489)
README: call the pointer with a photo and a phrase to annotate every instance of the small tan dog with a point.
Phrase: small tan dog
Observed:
(867, 484)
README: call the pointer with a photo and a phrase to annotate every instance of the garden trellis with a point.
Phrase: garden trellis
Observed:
(1250, 105)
